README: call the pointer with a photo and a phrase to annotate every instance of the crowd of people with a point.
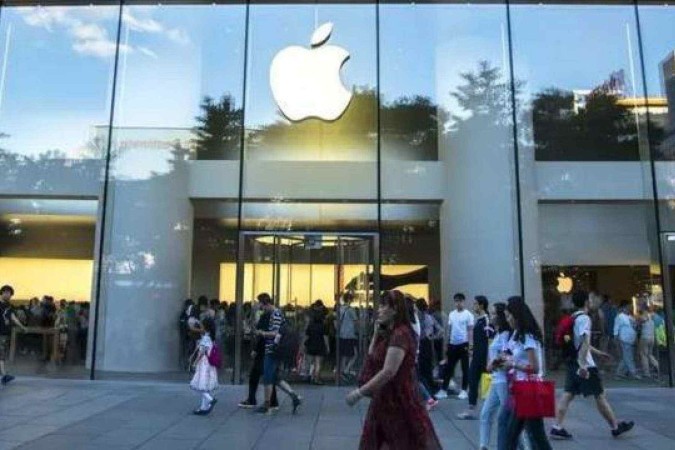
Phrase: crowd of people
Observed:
(504, 341)
(411, 358)
(634, 336)
(68, 319)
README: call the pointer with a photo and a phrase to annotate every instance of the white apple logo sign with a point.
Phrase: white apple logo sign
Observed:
(306, 82)
(565, 284)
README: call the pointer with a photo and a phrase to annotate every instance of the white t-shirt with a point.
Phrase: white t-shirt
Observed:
(519, 354)
(498, 345)
(582, 327)
(459, 323)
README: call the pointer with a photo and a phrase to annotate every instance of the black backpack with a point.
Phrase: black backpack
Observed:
(286, 350)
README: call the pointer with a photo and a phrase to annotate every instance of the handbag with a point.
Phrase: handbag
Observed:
(485, 383)
(533, 398)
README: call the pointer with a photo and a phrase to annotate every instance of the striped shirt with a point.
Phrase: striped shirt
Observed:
(276, 320)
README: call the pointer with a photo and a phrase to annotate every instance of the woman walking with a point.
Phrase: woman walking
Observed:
(525, 349)
(396, 419)
(316, 345)
(205, 380)
(495, 401)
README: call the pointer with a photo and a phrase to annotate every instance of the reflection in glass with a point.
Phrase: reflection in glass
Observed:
(586, 209)
(350, 137)
(176, 137)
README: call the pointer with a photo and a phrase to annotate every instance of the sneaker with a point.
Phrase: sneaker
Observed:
(622, 428)
(441, 395)
(560, 433)
(463, 395)
(431, 403)
(7, 379)
(246, 404)
(466, 416)
(263, 410)
(274, 408)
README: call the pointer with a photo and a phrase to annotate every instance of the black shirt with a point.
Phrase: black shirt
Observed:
(482, 332)
(6, 313)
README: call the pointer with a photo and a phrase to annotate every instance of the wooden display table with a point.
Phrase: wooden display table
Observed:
(45, 332)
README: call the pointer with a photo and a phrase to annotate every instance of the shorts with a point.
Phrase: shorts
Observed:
(270, 370)
(348, 347)
(576, 385)
(4, 347)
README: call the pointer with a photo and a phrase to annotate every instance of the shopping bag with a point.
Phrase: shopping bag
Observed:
(533, 398)
(485, 382)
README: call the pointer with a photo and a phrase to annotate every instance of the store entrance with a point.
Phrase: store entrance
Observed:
(322, 282)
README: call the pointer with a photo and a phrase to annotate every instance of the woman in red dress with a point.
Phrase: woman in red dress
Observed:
(397, 419)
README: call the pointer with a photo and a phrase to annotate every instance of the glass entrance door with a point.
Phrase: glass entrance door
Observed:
(331, 277)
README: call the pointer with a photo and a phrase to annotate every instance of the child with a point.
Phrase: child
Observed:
(205, 379)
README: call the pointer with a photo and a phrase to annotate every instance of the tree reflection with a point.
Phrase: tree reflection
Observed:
(602, 125)
(217, 135)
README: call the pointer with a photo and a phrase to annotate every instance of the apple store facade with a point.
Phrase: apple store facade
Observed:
(152, 152)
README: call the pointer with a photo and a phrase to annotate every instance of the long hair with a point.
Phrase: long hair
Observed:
(500, 318)
(210, 327)
(525, 323)
(396, 301)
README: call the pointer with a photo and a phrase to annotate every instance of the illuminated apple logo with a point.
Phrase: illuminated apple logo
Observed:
(306, 82)
(565, 284)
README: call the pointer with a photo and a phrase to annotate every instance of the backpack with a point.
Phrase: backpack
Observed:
(289, 343)
(564, 336)
(215, 357)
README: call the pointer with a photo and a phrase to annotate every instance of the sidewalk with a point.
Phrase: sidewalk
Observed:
(70, 415)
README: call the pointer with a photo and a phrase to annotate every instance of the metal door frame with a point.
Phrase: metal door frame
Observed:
(372, 236)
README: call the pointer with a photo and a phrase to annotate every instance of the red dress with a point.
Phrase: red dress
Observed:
(396, 419)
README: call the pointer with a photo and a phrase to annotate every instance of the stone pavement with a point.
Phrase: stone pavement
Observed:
(70, 415)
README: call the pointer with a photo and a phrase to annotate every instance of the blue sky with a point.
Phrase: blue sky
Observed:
(55, 83)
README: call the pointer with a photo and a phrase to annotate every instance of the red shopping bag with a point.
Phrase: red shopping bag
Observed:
(533, 398)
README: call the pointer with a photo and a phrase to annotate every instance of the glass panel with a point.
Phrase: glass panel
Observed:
(213, 273)
(311, 109)
(176, 129)
(55, 310)
(658, 44)
(446, 125)
(306, 274)
(587, 210)
(55, 91)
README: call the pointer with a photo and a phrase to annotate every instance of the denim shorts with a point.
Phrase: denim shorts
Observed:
(270, 369)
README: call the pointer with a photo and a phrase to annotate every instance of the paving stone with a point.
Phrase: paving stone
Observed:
(72, 415)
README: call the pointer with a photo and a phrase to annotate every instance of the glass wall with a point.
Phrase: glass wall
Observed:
(447, 138)
(176, 142)
(658, 44)
(55, 87)
(585, 174)
(155, 152)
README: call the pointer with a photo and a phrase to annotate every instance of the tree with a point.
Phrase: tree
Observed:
(218, 134)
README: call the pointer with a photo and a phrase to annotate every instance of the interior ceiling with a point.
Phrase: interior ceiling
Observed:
(43, 219)
(256, 215)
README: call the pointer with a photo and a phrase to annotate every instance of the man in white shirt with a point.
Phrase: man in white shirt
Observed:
(582, 374)
(460, 344)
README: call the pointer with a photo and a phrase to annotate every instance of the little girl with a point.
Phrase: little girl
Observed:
(205, 379)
